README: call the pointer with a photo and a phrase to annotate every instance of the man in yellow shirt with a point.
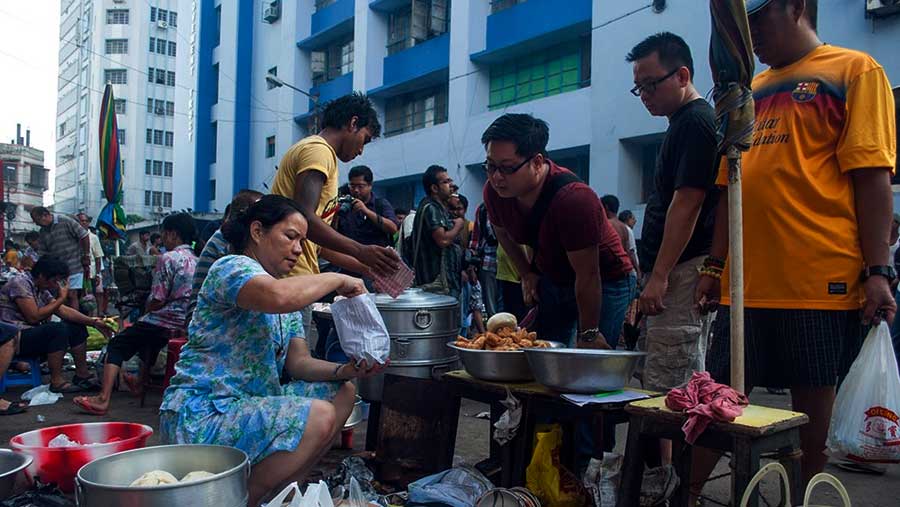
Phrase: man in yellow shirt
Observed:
(817, 212)
(308, 174)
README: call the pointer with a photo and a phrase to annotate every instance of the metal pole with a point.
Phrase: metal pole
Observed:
(736, 267)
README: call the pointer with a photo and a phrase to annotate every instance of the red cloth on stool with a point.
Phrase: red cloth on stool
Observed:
(705, 401)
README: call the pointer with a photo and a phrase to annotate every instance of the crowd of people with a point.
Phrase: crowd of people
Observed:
(542, 245)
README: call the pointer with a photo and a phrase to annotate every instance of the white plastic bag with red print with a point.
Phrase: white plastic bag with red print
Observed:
(864, 424)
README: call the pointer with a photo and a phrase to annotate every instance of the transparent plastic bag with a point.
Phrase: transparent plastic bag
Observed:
(361, 330)
(864, 423)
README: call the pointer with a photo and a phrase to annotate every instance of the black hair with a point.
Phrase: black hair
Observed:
(144, 232)
(49, 267)
(268, 211)
(811, 12)
(10, 244)
(529, 134)
(241, 201)
(361, 170)
(626, 215)
(341, 110)
(463, 201)
(673, 52)
(611, 203)
(155, 236)
(430, 177)
(401, 211)
(183, 225)
(39, 211)
(32, 236)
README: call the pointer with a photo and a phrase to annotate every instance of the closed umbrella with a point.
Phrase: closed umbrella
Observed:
(111, 221)
(731, 59)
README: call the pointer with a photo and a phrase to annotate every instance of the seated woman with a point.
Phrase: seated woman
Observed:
(27, 302)
(246, 329)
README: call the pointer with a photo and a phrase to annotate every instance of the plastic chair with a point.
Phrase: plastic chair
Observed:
(32, 378)
(173, 352)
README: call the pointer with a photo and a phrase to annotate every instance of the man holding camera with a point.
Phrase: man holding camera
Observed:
(363, 216)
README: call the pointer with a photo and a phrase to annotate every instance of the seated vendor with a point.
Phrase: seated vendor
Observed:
(166, 314)
(246, 329)
(27, 302)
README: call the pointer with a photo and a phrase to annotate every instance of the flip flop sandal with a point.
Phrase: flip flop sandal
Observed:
(12, 409)
(86, 384)
(86, 407)
(66, 388)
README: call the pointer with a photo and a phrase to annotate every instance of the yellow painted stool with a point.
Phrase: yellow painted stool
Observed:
(759, 430)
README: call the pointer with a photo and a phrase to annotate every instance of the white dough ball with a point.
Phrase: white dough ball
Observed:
(197, 475)
(155, 478)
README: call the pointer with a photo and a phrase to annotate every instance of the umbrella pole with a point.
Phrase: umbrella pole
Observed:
(736, 266)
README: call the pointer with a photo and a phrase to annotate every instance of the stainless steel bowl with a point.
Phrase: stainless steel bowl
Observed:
(583, 371)
(106, 481)
(11, 464)
(497, 365)
(356, 416)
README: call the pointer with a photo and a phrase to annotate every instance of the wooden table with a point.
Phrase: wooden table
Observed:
(539, 404)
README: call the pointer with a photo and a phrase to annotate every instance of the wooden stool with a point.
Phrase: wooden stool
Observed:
(759, 430)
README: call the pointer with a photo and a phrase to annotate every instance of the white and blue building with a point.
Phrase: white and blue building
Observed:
(440, 71)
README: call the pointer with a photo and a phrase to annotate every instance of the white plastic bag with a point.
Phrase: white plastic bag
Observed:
(316, 496)
(864, 423)
(41, 395)
(361, 330)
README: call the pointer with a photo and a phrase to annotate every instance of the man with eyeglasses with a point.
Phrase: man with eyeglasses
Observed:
(431, 248)
(579, 275)
(678, 221)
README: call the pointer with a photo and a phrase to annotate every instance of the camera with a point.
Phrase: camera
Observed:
(346, 203)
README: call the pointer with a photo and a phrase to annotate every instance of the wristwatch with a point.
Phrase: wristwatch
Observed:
(588, 335)
(886, 271)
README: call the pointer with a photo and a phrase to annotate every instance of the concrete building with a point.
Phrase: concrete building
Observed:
(23, 186)
(146, 50)
(441, 71)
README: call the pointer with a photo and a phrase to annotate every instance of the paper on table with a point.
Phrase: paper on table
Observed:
(620, 396)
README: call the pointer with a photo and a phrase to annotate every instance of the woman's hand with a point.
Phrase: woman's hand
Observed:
(350, 370)
(102, 326)
(350, 287)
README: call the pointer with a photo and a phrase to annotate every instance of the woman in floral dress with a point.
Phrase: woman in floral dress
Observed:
(245, 330)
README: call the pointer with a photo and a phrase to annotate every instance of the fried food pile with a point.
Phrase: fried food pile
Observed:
(505, 339)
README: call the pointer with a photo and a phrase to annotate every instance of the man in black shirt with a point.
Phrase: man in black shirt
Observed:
(678, 220)
(369, 219)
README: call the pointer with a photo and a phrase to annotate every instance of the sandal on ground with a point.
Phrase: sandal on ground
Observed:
(87, 384)
(65, 388)
(13, 409)
(86, 407)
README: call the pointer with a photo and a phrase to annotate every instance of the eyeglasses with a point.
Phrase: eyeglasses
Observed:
(491, 168)
(651, 86)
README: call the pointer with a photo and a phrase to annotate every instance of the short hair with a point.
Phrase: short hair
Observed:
(49, 267)
(155, 236)
(361, 170)
(811, 12)
(10, 244)
(268, 211)
(341, 110)
(672, 51)
(242, 200)
(39, 211)
(611, 203)
(401, 211)
(430, 177)
(143, 233)
(181, 224)
(529, 134)
(626, 215)
(463, 201)
(32, 236)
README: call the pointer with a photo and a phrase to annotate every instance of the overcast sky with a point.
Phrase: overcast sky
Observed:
(29, 47)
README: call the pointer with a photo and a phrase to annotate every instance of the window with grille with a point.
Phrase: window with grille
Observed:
(170, 108)
(120, 133)
(170, 139)
(171, 48)
(167, 169)
(321, 4)
(117, 16)
(417, 110)
(170, 78)
(499, 5)
(120, 106)
(158, 137)
(161, 46)
(217, 36)
(116, 76)
(423, 20)
(173, 19)
(398, 31)
(167, 199)
(157, 168)
(212, 190)
(146, 198)
(214, 88)
(270, 146)
(157, 199)
(338, 61)
(117, 46)
(153, 14)
(147, 166)
(540, 74)
(149, 139)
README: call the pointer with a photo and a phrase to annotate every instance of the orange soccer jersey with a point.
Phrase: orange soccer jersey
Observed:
(816, 120)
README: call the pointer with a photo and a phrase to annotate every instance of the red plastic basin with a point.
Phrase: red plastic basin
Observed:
(60, 464)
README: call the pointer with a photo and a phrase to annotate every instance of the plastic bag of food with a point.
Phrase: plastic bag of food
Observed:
(547, 478)
(458, 487)
(361, 330)
(864, 423)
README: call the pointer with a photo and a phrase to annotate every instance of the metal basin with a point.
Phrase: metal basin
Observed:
(106, 481)
(11, 464)
(584, 371)
(497, 365)
(356, 416)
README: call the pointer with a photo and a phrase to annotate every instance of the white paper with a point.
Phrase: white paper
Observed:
(361, 330)
(611, 397)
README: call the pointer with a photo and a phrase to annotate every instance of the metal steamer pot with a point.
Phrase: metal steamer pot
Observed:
(420, 324)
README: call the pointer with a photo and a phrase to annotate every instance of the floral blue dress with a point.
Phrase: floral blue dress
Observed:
(226, 388)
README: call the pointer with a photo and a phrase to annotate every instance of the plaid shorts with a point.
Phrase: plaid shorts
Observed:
(785, 348)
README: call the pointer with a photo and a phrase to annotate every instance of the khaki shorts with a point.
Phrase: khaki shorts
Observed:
(676, 339)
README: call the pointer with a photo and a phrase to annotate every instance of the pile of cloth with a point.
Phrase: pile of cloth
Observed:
(705, 401)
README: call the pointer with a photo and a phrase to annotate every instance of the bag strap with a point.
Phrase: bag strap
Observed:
(533, 223)
(764, 471)
(831, 481)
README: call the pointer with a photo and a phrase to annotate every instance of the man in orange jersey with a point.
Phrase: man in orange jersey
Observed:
(817, 212)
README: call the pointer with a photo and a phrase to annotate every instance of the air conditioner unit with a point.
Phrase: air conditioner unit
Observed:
(880, 8)
(272, 12)
(162, 24)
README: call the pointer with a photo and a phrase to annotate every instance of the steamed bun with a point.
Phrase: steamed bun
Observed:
(155, 478)
(197, 475)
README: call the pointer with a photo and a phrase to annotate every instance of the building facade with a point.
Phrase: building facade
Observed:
(146, 49)
(23, 186)
(440, 72)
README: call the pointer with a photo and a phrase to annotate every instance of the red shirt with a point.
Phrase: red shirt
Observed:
(575, 220)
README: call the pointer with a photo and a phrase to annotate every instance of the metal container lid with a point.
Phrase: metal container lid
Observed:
(414, 299)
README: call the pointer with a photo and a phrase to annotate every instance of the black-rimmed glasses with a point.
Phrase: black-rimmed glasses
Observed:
(506, 171)
(651, 86)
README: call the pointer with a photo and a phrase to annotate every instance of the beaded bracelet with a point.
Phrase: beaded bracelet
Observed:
(711, 272)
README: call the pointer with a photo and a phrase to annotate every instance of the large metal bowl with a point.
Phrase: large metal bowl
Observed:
(107, 481)
(583, 371)
(11, 464)
(356, 415)
(497, 365)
